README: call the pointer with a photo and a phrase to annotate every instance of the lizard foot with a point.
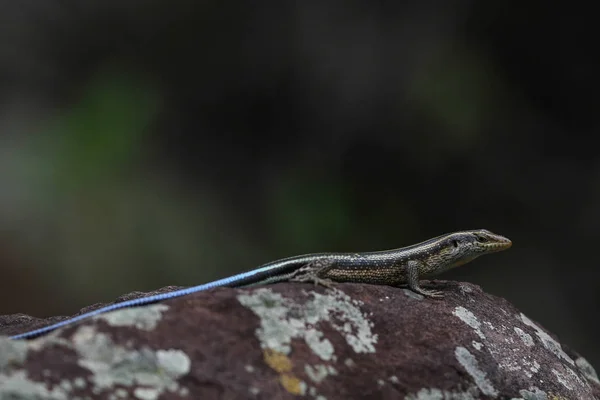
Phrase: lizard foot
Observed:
(328, 283)
(310, 272)
(434, 294)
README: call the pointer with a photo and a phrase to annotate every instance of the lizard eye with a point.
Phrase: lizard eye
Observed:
(455, 243)
(482, 239)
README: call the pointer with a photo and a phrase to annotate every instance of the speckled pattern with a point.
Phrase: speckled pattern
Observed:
(287, 340)
(406, 265)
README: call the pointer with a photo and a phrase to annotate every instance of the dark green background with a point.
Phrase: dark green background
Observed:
(145, 144)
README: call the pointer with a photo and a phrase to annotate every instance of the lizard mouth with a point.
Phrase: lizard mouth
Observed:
(498, 244)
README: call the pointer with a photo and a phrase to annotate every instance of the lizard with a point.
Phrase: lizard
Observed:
(406, 265)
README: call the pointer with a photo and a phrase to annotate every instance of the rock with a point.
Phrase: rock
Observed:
(289, 339)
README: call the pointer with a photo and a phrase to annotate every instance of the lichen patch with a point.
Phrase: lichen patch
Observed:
(283, 319)
(547, 340)
(145, 318)
(471, 365)
(113, 365)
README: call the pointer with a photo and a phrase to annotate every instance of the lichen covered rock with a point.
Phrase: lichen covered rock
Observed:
(288, 340)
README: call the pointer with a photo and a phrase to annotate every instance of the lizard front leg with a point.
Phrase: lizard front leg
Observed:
(412, 279)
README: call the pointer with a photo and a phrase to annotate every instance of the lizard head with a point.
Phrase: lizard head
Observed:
(482, 241)
(465, 246)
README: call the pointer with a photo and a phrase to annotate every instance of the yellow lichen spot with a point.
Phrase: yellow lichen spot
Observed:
(291, 383)
(277, 360)
(552, 396)
(283, 365)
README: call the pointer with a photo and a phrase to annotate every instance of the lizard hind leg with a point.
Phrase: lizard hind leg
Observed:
(311, 271)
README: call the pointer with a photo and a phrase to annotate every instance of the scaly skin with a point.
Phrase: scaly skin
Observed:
(406, 265)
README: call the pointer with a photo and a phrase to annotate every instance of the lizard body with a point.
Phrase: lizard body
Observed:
(405, 265)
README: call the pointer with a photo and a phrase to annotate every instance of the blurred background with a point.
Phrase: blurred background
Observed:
(173, 143)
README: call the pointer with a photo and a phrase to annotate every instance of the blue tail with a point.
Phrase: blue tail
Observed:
(235, 281)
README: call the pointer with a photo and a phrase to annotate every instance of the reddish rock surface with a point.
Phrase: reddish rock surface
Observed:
(284, 340)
